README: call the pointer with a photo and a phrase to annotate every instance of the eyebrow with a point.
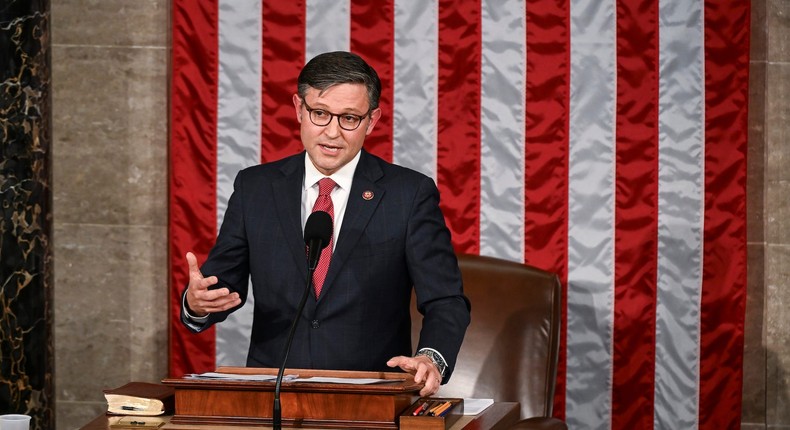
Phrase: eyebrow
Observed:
(322, 106)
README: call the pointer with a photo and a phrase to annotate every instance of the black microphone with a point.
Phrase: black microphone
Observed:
(317, 234)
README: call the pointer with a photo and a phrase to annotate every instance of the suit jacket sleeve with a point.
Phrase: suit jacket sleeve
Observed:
(433, 268)
(228, 259)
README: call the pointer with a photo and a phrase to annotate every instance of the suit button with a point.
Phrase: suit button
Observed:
(315, 324)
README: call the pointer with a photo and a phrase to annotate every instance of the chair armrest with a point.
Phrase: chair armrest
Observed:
(539, 423)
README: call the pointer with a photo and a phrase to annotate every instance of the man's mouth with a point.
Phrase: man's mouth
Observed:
(332, 149)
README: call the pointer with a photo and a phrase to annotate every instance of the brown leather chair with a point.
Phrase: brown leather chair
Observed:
(511, 348)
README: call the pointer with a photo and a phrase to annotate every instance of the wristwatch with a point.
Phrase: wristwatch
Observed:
(435, 357)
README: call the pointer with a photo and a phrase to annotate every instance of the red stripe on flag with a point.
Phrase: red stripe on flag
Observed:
(546, 151)
(373, 38)
(458, 146)
(283, 52)
(192, 192)
(724, 247)
(636, 215)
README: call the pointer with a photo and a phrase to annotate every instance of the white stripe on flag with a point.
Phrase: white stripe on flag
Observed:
(591, 215)
(238, 138)
(502, 129)
(415, 85)
(680, 213)
(328, 27)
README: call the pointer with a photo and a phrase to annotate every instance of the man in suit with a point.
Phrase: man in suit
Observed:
(389, 237)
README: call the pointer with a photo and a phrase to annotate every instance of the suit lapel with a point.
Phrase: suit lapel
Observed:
(287, 191)
(363, 200)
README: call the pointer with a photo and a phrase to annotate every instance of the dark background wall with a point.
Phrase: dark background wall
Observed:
(26, 344)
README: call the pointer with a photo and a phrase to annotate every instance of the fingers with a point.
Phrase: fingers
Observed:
(194, 270)
(423, 370)
(430, 389)
(200, 299)
(196, 280)
(218, 304)
(203, 302)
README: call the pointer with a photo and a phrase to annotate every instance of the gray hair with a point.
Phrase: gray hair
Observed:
(339, 67)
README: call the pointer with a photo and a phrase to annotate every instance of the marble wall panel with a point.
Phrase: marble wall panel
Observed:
(111, 309)
(111, 22)
(110, 198)
(777, 120)
(777, 208)
(755, 154)
(777, 263)
(754, 354)
(778, 30)
(111, 135)
(758, 31)
(26, 341)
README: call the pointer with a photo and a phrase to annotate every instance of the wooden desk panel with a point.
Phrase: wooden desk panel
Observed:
(304, 404)
(497, 417)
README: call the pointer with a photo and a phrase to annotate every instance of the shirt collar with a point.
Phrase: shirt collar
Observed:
(342, 177)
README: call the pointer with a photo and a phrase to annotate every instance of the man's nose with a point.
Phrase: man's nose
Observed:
(333, 128)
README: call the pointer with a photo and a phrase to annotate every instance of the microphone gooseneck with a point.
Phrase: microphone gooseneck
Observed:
(317, 234)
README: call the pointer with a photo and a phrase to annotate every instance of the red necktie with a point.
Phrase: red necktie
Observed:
(324, 203)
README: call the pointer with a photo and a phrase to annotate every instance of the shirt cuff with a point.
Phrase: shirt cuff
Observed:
(191, 318)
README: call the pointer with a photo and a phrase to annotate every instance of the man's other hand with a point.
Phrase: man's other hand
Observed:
(200, 299)
(423, 370)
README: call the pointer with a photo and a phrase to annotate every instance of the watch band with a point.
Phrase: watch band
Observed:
(435, 357)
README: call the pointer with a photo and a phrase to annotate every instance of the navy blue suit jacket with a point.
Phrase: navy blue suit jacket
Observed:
(389, 244)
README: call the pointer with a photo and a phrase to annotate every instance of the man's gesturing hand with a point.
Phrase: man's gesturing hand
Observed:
(423, 370)
(200, 299)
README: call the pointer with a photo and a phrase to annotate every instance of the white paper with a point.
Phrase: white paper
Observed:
(288, 378)
(354, 381)
(238, 377)
(475, 406)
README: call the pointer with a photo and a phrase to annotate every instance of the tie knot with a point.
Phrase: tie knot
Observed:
(325, 186)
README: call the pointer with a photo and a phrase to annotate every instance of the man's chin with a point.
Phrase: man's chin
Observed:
(328, 168)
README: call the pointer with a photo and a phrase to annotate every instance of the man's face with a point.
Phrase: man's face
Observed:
(331, 147)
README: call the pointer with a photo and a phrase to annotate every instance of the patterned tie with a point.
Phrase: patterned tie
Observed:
(324, 203)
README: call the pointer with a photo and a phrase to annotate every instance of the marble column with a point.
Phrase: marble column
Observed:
(26, 348)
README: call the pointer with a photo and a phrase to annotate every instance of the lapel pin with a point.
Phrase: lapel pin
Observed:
(367, 195)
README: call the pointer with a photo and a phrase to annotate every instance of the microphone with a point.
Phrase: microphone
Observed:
(317, 234)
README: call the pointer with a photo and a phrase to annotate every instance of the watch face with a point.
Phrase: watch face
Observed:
(436, 359)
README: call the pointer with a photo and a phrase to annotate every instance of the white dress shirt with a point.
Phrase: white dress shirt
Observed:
(342, 178)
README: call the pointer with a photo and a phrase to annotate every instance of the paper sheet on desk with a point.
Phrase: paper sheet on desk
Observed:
(475, 406)
(238, 377)
(289, 378)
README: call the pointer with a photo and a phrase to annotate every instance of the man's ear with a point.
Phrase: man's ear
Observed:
(375, 114)
(298, 106)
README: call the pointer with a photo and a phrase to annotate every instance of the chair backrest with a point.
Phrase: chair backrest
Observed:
(511, 347)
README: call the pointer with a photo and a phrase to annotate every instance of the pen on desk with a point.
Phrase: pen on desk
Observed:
(420, 408)
(437, 407)
(442, 409)
(445, 411)
(428, 406)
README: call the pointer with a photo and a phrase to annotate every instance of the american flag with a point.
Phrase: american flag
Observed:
(602, 140)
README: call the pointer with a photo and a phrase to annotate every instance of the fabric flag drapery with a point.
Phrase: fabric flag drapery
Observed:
(602, 140)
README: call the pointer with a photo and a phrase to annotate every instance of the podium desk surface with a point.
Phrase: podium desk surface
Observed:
(498, 416)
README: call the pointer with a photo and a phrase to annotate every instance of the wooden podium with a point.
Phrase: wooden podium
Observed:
(304, 404)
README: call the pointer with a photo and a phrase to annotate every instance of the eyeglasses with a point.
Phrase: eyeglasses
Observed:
(322, 118)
